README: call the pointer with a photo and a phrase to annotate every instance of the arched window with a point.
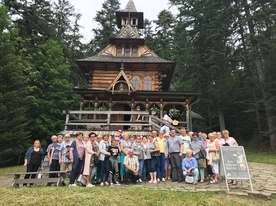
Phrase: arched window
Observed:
(134, 51)
(147, 83)
(136, 82)
(119, 51)
(127, 51)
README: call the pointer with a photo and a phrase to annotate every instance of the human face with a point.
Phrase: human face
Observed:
(105, 137)
(183, 132)
(173, 133)
(189, 153)
(92, 137)
(218, 135)
(60, 139)
(67, 138)
(114, 143)
(54, 139)
(130, 153)
(195, 138)
(226, 135)
(37, 144)
(166, 136)
(154, 134)
(160, 134)
(126, 137)
(80, 137)
(211, 137)
(204, 136)
(132, 139)
(85, 138)
(145, 139)
(99, 138)
(138, 140)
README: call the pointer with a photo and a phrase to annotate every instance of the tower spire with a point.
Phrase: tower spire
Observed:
(130, 7)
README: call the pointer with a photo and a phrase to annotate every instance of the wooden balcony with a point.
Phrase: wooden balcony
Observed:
(112, 121)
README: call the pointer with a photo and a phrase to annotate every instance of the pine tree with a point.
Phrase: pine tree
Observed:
(50, 87)
(163, 37)
(106, 19)
(13, 100)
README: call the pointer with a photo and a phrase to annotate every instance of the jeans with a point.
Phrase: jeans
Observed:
(76, 171)
(141, 167)
(161, 166)
(104, 169)
(194, 173)
(55, 166)
(145, 172)
(176, 166)
(130, 175)
(152, 164)
(201, 172)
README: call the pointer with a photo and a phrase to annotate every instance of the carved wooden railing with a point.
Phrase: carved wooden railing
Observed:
(105, 119)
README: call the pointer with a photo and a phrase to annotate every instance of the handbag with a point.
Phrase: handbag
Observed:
(189, 179)
(155, 154)
(202, 163)
(81, 179)
(216, 157)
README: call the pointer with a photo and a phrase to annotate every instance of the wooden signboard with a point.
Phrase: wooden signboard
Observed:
(235, 164)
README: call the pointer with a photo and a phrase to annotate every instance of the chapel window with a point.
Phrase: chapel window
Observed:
(136, 82)
(119, 51)
(148, 83)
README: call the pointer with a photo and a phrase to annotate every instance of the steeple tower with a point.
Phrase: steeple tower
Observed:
(130, 16)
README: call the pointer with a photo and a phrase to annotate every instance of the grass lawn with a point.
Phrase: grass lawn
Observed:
(261, 157)
(123, 195)
(106, 196)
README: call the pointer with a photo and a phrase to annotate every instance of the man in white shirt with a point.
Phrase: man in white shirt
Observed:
(186, 139)
(131, 167)
(165, 128)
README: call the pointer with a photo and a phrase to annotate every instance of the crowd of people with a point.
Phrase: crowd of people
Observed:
(122, 158)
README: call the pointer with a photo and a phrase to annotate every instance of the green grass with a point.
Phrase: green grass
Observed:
(106, 196)
(6, 170)
(261, 157)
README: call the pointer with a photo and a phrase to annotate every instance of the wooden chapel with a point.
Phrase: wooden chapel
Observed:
(126, 75)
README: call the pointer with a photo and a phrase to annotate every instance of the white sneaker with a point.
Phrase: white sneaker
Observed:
(90, 185)
(117, 183)
(72, 185)
(111, 184)
(158, 180)
(163, 179)
(150, 181)
(140, 180)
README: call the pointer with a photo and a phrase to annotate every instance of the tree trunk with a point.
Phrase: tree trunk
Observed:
(249, 72)
(262, 79)
(221, 120)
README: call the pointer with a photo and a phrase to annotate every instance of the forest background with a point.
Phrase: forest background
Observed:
(225, 50)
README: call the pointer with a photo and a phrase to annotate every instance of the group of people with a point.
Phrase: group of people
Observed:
(122, 158)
